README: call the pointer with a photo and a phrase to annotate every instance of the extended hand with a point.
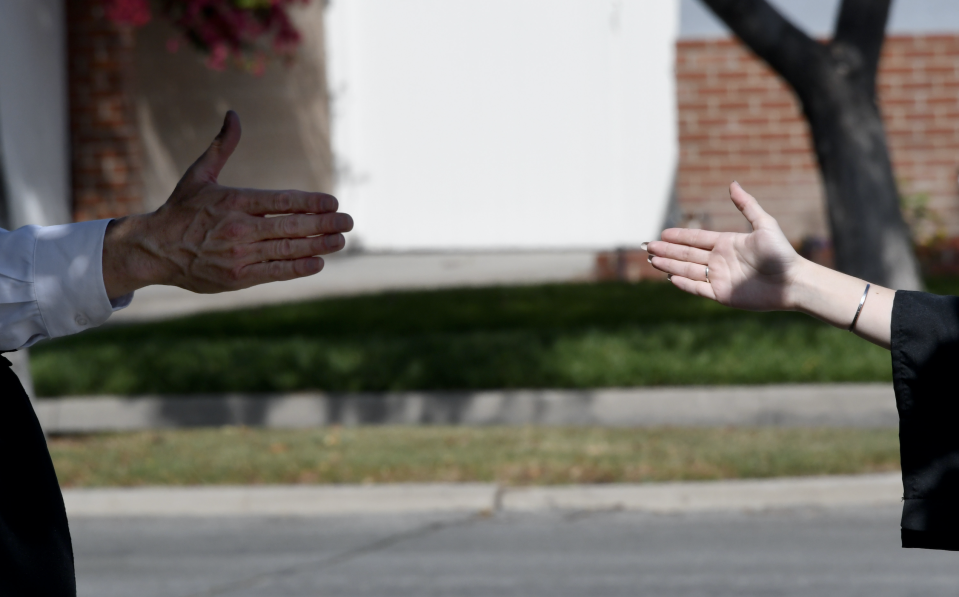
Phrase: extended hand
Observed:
(754, 271)
(210, 238)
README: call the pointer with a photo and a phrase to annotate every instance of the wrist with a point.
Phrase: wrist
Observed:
(800, 286)
(127, 265)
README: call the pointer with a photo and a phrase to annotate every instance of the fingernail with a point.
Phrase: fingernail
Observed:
(649, 258)
(669, 277)
(226, 124)
(644, 246)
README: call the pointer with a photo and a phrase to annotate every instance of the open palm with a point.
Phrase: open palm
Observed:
(747, 271)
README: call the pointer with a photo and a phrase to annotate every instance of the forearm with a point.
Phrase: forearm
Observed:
(834, 297)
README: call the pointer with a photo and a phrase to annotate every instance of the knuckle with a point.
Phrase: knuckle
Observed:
(275, 269)
(285, 248)
(235, 275)
(238, 252)
(234, 230)
(283, 202)
(289, 225)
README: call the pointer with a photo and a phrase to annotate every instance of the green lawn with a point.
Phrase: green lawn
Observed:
(514, 456)
(556, 336)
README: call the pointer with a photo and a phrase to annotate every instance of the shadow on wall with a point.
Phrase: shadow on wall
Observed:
(285, 112)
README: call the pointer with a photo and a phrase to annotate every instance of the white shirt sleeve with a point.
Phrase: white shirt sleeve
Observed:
(51, 282)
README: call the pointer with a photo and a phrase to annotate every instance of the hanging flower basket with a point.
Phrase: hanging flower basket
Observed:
(247, 32)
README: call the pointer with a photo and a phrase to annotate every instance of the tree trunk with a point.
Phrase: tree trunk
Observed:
(836, 84)
(870, 238)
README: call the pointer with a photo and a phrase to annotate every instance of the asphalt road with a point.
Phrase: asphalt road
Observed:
(801, 552)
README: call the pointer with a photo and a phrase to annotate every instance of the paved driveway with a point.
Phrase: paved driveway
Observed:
(799, 552)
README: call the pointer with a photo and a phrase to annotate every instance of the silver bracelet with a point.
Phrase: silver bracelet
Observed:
(862, 302)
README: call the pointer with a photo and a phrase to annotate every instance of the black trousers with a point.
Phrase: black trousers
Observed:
(36, 555)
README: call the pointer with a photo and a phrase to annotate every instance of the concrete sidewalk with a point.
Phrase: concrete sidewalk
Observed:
(797, 405)
(300, 500)
(366, 273)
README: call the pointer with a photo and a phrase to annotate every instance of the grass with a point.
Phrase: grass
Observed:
(513, 456)
(556, 336)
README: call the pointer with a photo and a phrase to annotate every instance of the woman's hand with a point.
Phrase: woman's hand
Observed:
(760, 271)
(755, 271)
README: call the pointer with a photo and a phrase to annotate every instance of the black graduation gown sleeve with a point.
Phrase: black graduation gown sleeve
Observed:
(925, 366)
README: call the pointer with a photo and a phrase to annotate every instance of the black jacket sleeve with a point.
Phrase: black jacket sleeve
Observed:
(925, 365)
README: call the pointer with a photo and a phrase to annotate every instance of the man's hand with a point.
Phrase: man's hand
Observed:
(210, 238)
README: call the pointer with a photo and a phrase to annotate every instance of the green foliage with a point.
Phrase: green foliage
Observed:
(556, 336)
(925, 224)
(945, 285)
(512, 456)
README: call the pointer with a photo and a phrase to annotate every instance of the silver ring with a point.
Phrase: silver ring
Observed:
(707, 274)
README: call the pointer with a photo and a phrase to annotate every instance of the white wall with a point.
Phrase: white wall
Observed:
(460, 124)
(33, 111)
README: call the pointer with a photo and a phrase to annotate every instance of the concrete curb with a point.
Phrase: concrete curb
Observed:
(868, 490)
(750, 495)
(280, 500)
(796, 405)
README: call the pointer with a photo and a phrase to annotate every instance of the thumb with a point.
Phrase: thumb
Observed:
(748, 205)
(208, 167)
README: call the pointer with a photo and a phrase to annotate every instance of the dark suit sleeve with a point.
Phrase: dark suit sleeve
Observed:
(925, 365)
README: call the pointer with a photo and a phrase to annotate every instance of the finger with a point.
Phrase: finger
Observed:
(678, 252)
(208, 167)
(748, 205)
(278, 271)
(298, 248)
(693, 271)
(702, 239)
(301, 226)
(694, 287)
(257, 202)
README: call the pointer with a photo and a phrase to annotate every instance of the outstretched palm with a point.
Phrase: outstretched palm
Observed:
(747, 271)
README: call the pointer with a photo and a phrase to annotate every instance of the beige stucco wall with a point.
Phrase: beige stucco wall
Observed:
(285, 115)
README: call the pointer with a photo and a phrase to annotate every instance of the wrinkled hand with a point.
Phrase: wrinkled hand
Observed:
(209, 238)
(754, 271)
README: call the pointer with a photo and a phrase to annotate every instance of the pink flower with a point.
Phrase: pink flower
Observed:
(250, 31)
(217, 58)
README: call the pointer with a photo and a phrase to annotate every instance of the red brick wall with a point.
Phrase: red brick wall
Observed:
(105, 151)
(919, 95)
(738, 120)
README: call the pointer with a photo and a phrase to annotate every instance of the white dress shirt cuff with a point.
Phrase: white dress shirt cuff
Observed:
(68, 278)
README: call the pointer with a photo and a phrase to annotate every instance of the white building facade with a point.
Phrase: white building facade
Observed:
(503, 124)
